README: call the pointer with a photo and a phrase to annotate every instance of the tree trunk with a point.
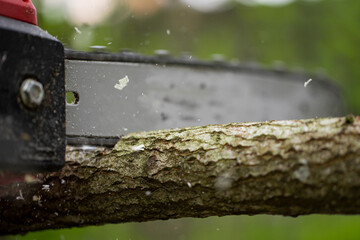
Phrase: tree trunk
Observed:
(278, 167)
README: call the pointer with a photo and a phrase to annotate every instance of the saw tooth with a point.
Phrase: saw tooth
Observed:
(126, 51)
(98, 48)
(162, 53)
(299, 70)
(186, 56)
(129, 54)
(251, 65)
(235, 62)
(218, 58)
(278, 65)
(321, 73)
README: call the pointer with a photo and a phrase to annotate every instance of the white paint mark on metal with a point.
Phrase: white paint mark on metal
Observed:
(122, 83)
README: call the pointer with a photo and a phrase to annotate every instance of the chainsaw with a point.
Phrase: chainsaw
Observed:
(51, 97)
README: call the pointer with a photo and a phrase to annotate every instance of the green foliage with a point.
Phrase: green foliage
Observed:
(314, 227)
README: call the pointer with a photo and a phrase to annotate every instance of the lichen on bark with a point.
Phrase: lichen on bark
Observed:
(277, 167)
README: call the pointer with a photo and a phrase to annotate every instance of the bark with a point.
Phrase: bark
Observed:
(278, 167)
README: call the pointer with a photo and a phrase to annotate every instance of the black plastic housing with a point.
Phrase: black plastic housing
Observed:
(31, 140)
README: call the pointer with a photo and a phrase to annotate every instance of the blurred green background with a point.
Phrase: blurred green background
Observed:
(320, 37)
(231, 227)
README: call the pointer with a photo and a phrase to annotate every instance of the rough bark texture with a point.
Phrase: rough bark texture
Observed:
(278, 167)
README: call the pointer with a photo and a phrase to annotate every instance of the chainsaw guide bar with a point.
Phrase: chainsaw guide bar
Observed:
(165, 92)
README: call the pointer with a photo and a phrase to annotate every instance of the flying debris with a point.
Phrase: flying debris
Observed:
(307, 82)
(122, 83)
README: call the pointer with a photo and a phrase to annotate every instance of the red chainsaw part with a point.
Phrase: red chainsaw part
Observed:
(23, 10)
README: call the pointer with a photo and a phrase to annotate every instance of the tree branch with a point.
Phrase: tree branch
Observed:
(278, 167)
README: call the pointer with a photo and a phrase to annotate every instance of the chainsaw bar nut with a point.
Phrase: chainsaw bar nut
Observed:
(31, 93)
